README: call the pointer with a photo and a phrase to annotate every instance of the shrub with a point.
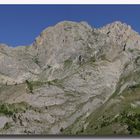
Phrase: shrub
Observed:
(7, 126)
(4, 109)
(61, 130)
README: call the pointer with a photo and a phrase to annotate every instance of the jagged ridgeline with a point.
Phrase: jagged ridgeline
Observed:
(73, 80)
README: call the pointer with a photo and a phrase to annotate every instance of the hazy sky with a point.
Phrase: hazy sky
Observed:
(21, 24)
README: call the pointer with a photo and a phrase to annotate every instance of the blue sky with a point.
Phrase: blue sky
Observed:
(21, 24)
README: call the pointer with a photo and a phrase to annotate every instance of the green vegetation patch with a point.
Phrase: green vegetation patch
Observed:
(10, 109)
(67, 63)
(132, 120)
(32, 85)
(120, 115)
(130, 50)
(56, 82)
(37, 84)
(7, 126)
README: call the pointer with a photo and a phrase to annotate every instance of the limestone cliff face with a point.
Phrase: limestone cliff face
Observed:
(70, 71)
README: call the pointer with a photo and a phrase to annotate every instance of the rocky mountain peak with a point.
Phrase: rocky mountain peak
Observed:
(68, 80)
(117, 26)
(121, 34)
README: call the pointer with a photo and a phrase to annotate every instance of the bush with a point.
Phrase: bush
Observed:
(61, 130)
(132, 122)
(4, 109)
(7, 126)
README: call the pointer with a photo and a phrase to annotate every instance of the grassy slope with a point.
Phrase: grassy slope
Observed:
(119, 116)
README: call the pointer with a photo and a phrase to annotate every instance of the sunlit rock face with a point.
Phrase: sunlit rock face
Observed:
(65, 77)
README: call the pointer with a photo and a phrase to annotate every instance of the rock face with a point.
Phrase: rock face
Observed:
(70, 76)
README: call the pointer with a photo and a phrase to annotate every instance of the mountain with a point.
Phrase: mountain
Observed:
(72, 80)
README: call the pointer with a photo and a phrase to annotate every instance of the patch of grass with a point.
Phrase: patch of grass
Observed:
(10, 109)
(132, 93)
(116, 116)
(127, 116)
(132, 120)
(91, 61)
(37, 84)
(53, 82)
(67, 63)
(31, 85)
(130, 50)
(56, 82)
(4, 109)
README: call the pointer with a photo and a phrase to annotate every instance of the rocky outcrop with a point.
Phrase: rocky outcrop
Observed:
(65, 76)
